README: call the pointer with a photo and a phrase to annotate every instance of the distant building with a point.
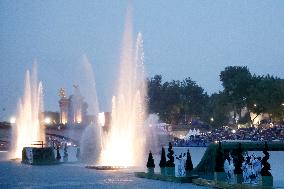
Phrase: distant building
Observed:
(63, 105)
(73, 110)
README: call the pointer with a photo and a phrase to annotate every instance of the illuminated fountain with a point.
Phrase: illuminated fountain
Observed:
(124, 143)
(27, 129)
(90, 142)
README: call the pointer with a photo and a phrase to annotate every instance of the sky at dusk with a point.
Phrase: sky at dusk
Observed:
(184, 38)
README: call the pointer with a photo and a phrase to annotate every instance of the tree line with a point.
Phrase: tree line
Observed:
(243, 98)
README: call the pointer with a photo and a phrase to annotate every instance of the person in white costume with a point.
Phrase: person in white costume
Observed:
(180, 168)
(229, 168)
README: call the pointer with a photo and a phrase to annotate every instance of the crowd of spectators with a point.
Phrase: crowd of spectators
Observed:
(271, 133)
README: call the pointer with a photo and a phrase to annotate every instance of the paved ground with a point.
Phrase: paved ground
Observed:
(16, 175)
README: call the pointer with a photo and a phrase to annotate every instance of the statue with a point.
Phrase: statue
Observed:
(180, 166)
(256, 163)
(229, 167)
(246, 169)
(251, 169)
(62, 93)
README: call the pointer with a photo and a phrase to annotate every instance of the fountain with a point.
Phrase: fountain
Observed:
(124, 143)
(27, 129)
(91, 137)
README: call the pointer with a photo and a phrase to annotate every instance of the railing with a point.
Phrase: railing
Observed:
(38, 143)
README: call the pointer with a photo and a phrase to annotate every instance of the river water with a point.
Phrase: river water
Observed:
(74, 175)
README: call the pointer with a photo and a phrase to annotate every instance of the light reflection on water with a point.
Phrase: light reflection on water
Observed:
(117, 180)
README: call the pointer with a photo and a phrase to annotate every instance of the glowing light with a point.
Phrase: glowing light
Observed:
(233, 131)
(64, 118)
(181, 136)
(47, 120)
(12, 120)
(255, 105)
(124, 145)
(78, 118)
(101, 119)
(64, 121)
(211, 119)
(30, 106)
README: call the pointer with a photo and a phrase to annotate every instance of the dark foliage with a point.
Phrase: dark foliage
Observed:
(181, 101)
(219, 160)
(163, 160)
(150, 162)
(238, 160)
(266, 166)
(170, 155)
(176, 101)
(188, 163)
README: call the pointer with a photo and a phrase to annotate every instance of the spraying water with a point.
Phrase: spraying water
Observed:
(90, 142)
(124, 144)
(27, 129)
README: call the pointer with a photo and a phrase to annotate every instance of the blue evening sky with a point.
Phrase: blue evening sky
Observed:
(182, 39)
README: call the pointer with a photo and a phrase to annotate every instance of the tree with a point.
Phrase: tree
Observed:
(171, 102)
(216, 111)
(188, 163)
(155, 94)
(175, 101)
(170, 155)
(193, 99)
(266, 166)
(266, 96)
(236, 81)
(150, 162)
(163, 160)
